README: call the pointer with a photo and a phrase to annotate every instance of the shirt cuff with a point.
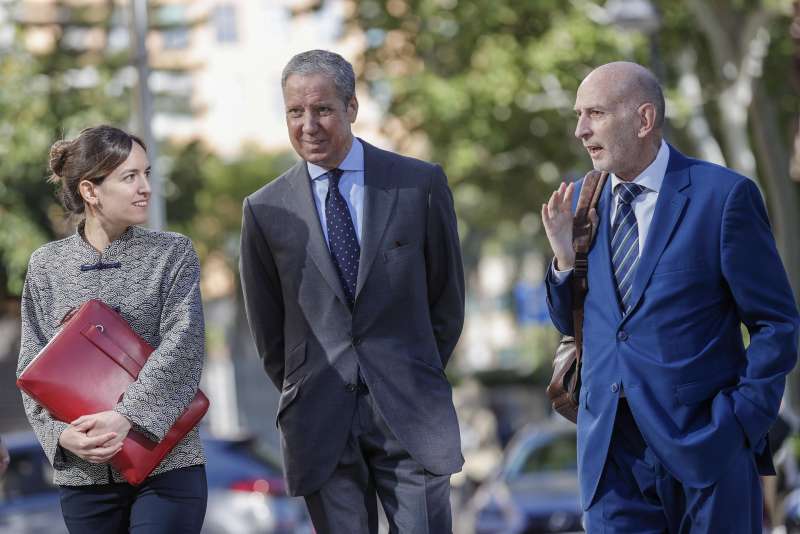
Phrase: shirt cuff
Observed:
(559, 276)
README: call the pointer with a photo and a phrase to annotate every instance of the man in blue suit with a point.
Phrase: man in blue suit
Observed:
(674, 409)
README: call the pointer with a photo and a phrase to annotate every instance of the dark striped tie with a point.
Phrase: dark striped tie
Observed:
(342, 239)
(625, 242)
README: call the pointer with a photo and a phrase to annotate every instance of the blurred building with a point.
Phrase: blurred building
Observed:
(215, 65)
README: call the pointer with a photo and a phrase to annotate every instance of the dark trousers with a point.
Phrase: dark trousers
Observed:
(637, 494)
(172, 502)
(375, 465)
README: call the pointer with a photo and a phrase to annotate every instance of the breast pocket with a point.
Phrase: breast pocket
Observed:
(405, 268)
(693, 266)
(400, 251)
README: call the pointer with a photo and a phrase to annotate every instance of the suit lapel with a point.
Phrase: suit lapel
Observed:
(669, 206)
(299, 200)
(379, 199)
(602, 253)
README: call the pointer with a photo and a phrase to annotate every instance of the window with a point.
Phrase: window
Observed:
(176, 38)
(225, 23)
(174, 22)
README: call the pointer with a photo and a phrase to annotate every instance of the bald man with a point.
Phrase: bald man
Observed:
(674, 408)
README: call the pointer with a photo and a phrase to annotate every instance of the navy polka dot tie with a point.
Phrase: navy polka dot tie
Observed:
(342, 239)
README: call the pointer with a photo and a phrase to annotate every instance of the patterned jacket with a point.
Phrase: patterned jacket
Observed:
(153, 280)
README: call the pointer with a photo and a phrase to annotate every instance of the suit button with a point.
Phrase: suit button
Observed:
(351, 388)
(622, 335)
(356, 341)
(614, 387)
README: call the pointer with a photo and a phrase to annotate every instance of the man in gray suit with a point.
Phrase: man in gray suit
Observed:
(354, 291)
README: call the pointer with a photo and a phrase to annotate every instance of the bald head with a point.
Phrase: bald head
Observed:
(630, 83)
(620, 111)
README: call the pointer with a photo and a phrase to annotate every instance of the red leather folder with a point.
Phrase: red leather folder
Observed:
(87, 367)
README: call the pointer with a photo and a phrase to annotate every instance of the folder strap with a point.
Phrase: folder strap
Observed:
(96, 334)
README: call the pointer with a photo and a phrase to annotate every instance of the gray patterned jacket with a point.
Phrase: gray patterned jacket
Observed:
(153, 280)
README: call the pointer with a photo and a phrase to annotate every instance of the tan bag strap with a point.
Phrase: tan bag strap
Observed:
(582, 234)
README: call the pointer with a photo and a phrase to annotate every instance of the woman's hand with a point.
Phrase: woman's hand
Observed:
(104, 422)
(97, 449)
(96, 437)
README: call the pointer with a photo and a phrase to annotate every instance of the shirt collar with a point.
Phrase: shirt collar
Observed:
(353, 161)
(653, 176)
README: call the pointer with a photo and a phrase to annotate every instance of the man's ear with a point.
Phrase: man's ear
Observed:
(647, 118)
(88, 191)
(352, 109)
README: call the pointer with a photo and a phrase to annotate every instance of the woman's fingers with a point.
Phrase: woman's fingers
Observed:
(102, 450)
(95, 442)
(103, 454)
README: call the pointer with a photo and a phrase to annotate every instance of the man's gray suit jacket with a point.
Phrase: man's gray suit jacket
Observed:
(407, 317)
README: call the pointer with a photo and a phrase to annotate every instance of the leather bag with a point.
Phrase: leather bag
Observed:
(87, 367)
(565, 385)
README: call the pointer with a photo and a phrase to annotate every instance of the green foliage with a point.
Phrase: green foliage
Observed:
(490, 85)
(205, 194)
(45, 97)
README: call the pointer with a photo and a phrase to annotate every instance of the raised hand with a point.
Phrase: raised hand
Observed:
(557, 220)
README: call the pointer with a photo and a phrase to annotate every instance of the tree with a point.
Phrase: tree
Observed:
(486, 88)
(66, 69)
(51, 89)
(205, 194)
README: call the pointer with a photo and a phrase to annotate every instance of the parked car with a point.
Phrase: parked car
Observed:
(28, 501)
(535, 488)
(246, 493)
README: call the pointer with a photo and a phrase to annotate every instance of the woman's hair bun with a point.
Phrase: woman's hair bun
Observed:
(58, 157)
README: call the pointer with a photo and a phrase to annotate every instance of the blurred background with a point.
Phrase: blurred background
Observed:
(483, 87)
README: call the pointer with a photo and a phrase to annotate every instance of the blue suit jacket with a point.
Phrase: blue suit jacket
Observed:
(697, 395)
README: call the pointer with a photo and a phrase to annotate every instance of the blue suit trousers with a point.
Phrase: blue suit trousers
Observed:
(637, 494)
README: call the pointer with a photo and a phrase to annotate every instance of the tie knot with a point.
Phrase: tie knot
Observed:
(628, 191)
(334, 175)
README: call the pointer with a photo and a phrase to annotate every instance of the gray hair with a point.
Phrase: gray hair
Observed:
(650, 91)
(327, 63)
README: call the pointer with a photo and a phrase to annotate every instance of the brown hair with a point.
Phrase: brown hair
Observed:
(92, 156)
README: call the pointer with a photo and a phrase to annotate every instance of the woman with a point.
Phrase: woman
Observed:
(153, 280)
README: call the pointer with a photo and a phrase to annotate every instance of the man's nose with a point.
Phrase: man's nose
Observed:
(310, 123)
(582, 129)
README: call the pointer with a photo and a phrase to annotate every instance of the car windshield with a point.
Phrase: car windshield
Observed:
(551, 454)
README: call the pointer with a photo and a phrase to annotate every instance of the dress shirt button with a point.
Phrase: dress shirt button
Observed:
(622, 335)
(351, 388)
(614, 387)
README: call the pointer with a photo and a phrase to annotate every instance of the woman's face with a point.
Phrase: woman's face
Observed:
(122, 198)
